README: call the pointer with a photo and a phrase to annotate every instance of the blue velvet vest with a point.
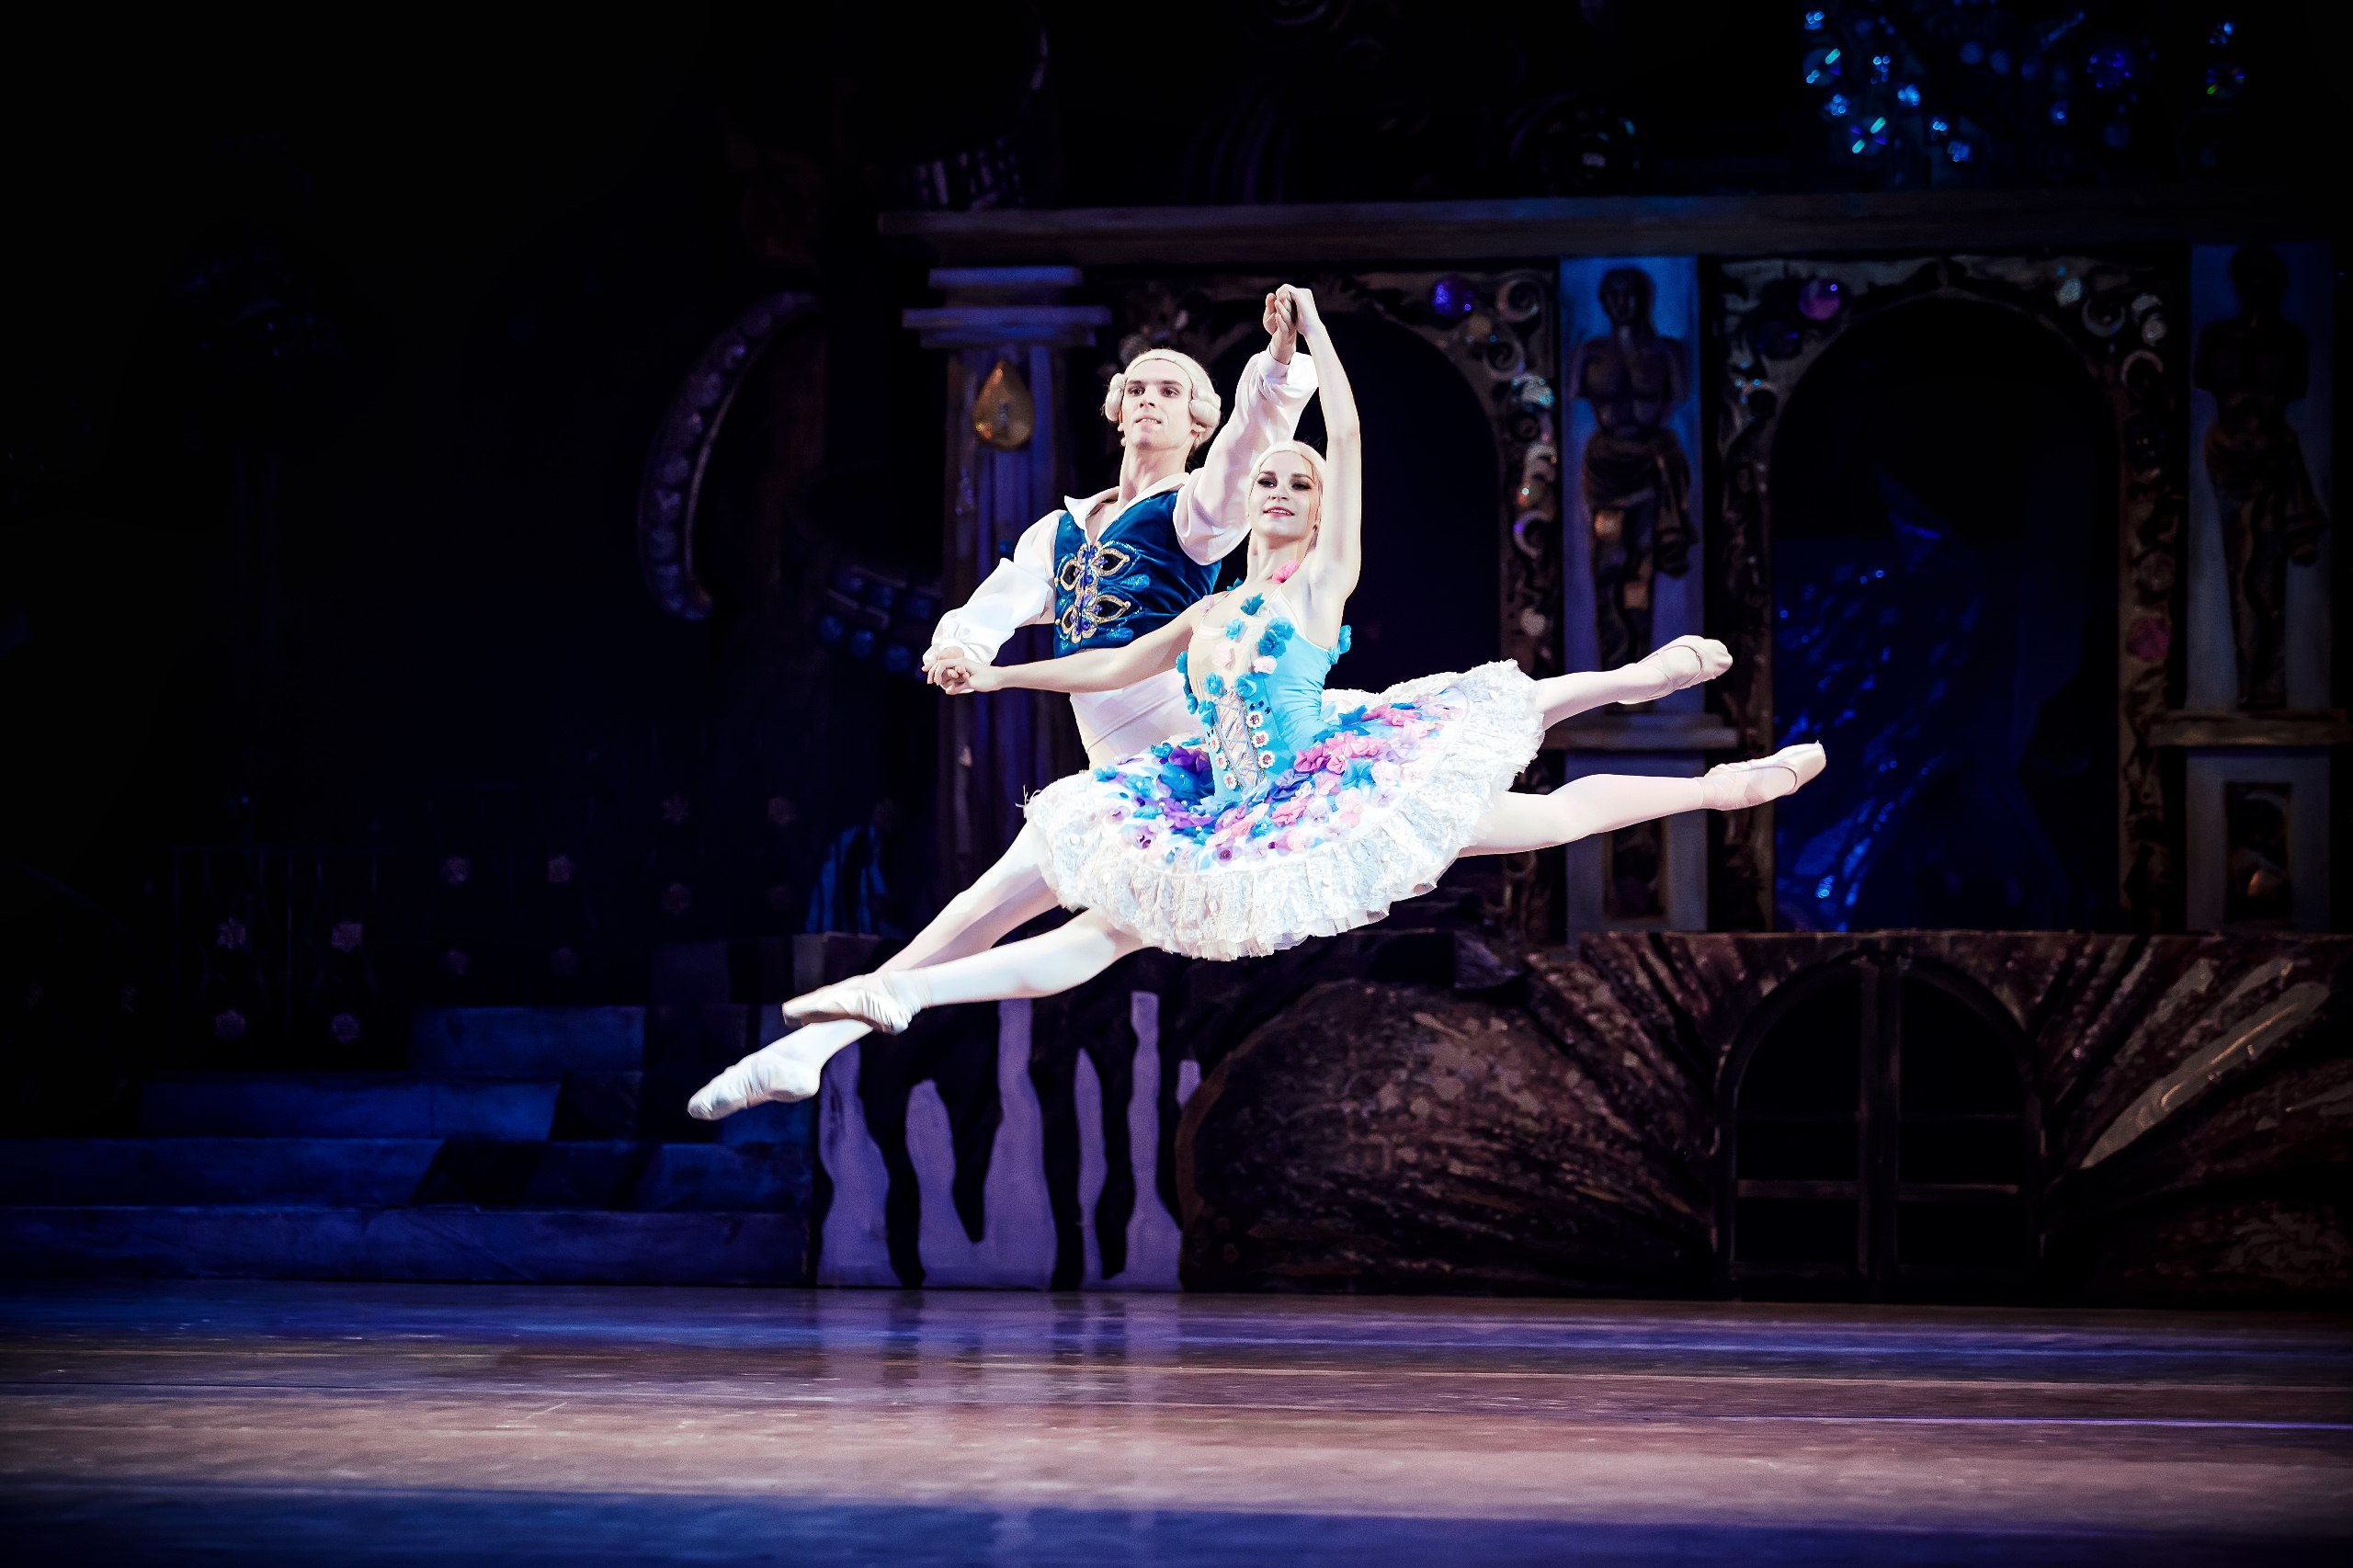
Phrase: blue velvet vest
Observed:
(1132, 579)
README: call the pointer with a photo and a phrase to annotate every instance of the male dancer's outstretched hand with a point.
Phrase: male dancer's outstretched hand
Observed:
(961, 677)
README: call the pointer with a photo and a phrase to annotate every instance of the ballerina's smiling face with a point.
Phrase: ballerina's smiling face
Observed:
(1286, 494)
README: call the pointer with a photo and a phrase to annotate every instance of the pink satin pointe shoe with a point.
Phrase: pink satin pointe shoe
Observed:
(872, 999)
(1736, 785)
(1686, 661)
(774, 1074)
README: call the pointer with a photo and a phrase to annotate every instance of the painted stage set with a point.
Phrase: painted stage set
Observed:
(1946, 1165)
(281, 1422)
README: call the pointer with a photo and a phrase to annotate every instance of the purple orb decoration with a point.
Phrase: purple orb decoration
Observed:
(1820, 298)
(1452, 298)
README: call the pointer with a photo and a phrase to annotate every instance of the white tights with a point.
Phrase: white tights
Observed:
(954, 959)
(1008, 895)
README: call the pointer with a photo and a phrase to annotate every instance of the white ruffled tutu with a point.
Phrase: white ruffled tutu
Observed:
(1374, 809)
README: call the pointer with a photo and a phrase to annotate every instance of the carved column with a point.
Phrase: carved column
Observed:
(1633, 573)
(2260, 730)
(1000, 479)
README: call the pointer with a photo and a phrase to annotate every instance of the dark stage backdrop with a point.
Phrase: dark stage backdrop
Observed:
(1944, 604)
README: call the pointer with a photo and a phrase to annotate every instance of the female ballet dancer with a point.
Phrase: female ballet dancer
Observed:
(1102, 571)
(1295, 811)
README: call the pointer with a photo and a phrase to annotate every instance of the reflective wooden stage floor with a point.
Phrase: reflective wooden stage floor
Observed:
(257, 1423)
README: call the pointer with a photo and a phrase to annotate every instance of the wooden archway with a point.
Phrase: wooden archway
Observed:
(1887, 1125)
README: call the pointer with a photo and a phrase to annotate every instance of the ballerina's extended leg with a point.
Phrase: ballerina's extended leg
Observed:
(1603, 802)
(1686, 661)
(1010, 894)
(1040, 966)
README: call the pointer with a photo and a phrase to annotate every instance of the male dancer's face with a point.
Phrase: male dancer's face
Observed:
(1155, 409)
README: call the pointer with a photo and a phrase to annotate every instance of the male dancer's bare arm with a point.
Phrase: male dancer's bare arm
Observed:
(1100, 669)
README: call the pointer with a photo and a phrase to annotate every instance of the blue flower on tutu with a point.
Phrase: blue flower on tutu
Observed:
(1254, 603)
(1105, 775)
(1215, 685)
(1234, 630)
(1347, 636)
(1277, 637)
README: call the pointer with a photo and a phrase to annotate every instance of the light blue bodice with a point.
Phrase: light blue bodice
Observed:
(1257, 692)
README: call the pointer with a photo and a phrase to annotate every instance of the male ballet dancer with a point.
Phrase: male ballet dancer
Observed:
(1103, 572)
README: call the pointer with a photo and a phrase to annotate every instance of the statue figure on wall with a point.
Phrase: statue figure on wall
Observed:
(1637, 481)
(2255, 365)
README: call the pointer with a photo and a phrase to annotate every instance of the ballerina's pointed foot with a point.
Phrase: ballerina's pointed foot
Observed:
(881, 1002)
(777, 1072)
(1736, 785)
(1686, 661)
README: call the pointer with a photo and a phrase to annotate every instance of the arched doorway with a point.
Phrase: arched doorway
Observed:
(1882, 1140)
(2012, 325)
(1426, 601)
(1943, 487)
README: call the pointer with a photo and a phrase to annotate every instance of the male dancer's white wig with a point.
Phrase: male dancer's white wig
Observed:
(1204, 408)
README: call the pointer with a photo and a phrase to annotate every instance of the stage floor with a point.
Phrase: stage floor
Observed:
(366, 1423)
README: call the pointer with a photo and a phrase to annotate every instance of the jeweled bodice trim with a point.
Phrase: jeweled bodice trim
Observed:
(1260, 668)
(1130, 580)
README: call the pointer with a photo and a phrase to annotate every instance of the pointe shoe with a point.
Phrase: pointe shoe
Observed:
(1736, 785)
(1686, 661)
(875, 1000)
(773, 1073)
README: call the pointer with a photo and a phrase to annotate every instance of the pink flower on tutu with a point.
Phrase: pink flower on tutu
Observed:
(1297, 839)
(1263, 664)
(1351, 817)
(1326, 782)
(1387, 772)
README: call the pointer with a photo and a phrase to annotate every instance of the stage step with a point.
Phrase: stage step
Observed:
(535, 1246)
(527, 1042)
(310, 1172)
(346, 1105)
(372, 1173)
